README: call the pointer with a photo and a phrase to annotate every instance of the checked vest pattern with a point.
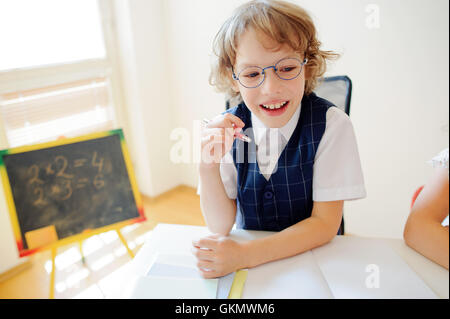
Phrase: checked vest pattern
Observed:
(286, 198)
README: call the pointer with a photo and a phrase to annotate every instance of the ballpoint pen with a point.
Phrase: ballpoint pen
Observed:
(240, 136)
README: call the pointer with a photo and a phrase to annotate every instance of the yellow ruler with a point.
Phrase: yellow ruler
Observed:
(238, 284)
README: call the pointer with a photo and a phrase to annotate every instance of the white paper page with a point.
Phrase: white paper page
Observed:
(170, 239)
(172, 276)
(274, 280)
(177, 259)
(159, 287)
(167, 270)
(173, 265)
(367, 268)
(183, 266)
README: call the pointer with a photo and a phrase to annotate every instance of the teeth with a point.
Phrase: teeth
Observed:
(274, 106)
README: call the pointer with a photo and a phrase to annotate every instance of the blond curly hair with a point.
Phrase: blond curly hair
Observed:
(283, 22)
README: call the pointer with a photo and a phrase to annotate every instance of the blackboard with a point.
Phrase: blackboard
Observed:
(76, 185)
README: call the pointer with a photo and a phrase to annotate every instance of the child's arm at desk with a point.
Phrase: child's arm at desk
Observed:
(219, 211)
(423, 230)
(310, 233)
(222, 255)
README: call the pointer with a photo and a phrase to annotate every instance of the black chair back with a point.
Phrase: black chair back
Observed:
(336, 89)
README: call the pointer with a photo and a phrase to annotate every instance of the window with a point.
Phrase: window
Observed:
(57, 74)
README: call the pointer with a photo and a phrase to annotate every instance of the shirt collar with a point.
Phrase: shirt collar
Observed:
(260, 129)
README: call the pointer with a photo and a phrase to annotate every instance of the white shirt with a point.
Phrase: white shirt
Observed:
(441, 160)
(337, 173)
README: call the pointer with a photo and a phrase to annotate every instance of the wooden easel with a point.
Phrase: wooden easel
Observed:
(80, 243)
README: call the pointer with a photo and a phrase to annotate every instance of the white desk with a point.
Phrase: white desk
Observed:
(287, 278)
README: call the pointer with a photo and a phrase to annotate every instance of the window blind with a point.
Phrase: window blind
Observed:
(64, 110)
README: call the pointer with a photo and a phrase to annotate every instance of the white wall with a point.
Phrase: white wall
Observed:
(400, 90)
(143, 59)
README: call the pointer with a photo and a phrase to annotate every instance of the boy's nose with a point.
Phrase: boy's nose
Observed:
(271, 82)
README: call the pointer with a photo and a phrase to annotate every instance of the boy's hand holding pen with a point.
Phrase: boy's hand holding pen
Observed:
(218, 135)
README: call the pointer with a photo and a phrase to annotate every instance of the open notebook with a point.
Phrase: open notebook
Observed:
(347, 267)
(175, 276)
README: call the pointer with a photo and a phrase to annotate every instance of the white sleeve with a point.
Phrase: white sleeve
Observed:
(228, 173)
(337, 173)
(440, 160)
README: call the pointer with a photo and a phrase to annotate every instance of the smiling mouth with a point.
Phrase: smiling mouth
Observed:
(274, 106)
(274, 109)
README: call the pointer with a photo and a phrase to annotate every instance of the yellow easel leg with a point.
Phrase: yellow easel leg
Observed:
(122, 239)
(52, 275)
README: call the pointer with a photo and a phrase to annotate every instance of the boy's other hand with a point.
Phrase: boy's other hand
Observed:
(217, 255)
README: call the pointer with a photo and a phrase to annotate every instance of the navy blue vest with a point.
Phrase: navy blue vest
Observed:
(286, 198)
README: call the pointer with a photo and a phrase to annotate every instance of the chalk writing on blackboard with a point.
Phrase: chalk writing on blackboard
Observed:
(64, 187)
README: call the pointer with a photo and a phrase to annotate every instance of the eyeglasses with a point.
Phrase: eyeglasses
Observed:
(286, 69)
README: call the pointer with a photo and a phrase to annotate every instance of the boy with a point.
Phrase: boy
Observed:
(302, 162)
